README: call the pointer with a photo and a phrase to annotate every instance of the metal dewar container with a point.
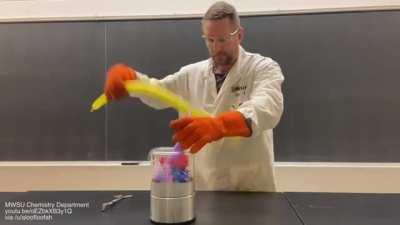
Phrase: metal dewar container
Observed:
(172, 187)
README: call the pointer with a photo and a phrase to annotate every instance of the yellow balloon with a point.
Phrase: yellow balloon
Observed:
(156, 93)
(99, 102)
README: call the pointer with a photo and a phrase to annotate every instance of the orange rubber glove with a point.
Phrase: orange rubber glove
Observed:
(195, 132)
(116, 76)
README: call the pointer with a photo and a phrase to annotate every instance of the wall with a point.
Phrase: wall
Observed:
(290, 177)
(27, 10)
(19, 177)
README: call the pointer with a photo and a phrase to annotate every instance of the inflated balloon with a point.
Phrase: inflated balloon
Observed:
(156, 93)
(173, 168)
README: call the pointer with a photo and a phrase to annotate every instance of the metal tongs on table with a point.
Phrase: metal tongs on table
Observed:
(111, 203)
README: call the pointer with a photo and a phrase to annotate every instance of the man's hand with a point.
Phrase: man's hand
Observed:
(195, 132)
(116, 76)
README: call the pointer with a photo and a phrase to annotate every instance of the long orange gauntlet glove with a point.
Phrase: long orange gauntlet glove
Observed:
(116, 76)
(195, 132)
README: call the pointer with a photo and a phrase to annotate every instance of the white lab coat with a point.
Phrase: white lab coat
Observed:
(253, 87)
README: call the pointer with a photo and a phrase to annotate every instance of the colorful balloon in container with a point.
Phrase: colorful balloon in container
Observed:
(173, 168)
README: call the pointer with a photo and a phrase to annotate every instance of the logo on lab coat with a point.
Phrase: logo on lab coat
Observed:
(235, 89)
(238, 92)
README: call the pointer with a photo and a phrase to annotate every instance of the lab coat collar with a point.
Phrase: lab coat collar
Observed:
(232, 77)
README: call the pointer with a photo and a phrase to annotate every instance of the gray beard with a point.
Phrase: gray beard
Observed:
(216, 68)
(226, 62)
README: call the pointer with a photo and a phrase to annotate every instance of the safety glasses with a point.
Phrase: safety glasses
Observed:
(220, 40)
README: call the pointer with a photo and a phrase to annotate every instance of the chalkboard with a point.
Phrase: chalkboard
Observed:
(49, 73)
(341, 74)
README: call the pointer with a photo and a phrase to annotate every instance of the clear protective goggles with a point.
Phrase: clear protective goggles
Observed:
(220, 40)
